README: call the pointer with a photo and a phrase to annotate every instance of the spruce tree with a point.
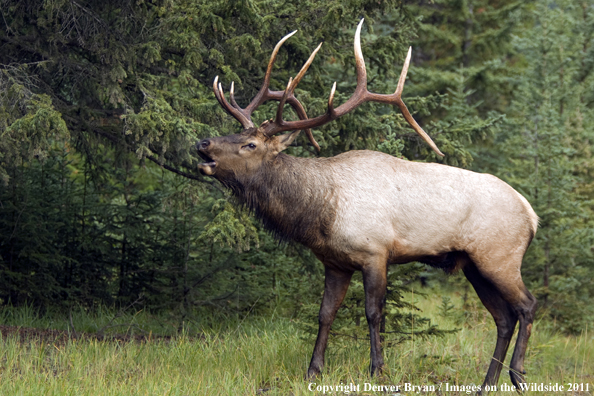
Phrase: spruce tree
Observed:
(547, 141)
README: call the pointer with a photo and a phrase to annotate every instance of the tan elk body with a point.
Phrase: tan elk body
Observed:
(364, 210)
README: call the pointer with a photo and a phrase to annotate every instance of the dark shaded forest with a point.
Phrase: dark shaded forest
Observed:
(102, 103)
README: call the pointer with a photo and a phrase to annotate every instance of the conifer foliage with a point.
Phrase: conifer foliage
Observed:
(102, 102)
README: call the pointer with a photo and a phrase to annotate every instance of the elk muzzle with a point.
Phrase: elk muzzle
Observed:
(206, 168)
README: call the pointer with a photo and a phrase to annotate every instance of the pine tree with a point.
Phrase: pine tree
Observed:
(547, 142)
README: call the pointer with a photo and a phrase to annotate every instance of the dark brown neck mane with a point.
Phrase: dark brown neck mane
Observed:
(291, 197)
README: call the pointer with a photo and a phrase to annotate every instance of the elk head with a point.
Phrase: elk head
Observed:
(240, 153)
(246, 151)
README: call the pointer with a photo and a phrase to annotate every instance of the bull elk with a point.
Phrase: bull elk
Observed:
(363, 210)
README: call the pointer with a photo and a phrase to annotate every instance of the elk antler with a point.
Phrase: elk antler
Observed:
(360, 96)
(244, 115)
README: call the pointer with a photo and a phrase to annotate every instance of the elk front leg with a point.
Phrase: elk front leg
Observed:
(374, 282)
(336, 286)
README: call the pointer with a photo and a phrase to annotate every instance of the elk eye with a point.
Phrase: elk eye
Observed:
(250, 146)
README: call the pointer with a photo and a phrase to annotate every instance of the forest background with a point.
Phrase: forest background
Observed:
(102, 103)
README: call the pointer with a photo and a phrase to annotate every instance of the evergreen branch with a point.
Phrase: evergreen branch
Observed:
(211, 273)
(88, 12)
(149, 157)
(174, 170)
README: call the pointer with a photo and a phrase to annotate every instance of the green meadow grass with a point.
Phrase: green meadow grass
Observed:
(270, 357)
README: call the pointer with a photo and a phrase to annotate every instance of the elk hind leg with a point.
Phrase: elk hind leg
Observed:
(504, 315)
(525, 309)
(523, 304)
(506, 279)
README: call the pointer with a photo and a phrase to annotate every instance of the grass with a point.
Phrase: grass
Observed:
(270, 357)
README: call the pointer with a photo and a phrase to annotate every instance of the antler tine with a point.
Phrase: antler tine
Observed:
(409, 118)
(359, 60)
(246, 122)
(273, 56)
(404, 110)
(216, 90)
(298, 107)
(331, 100)
(403, 73)
(232, 96)
(264, 93)
(281, 104)
(306, 66)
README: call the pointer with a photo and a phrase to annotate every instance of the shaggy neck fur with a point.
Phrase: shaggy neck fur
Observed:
(291, 197)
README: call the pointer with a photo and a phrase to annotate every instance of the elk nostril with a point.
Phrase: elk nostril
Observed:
(204, 144)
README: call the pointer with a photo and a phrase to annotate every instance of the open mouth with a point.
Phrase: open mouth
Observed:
(207, 167)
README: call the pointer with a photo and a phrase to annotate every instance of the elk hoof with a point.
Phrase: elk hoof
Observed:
(377, 371)
(312, 373)
(517, 379)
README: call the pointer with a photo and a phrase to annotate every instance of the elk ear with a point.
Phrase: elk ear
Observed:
(285, 141)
